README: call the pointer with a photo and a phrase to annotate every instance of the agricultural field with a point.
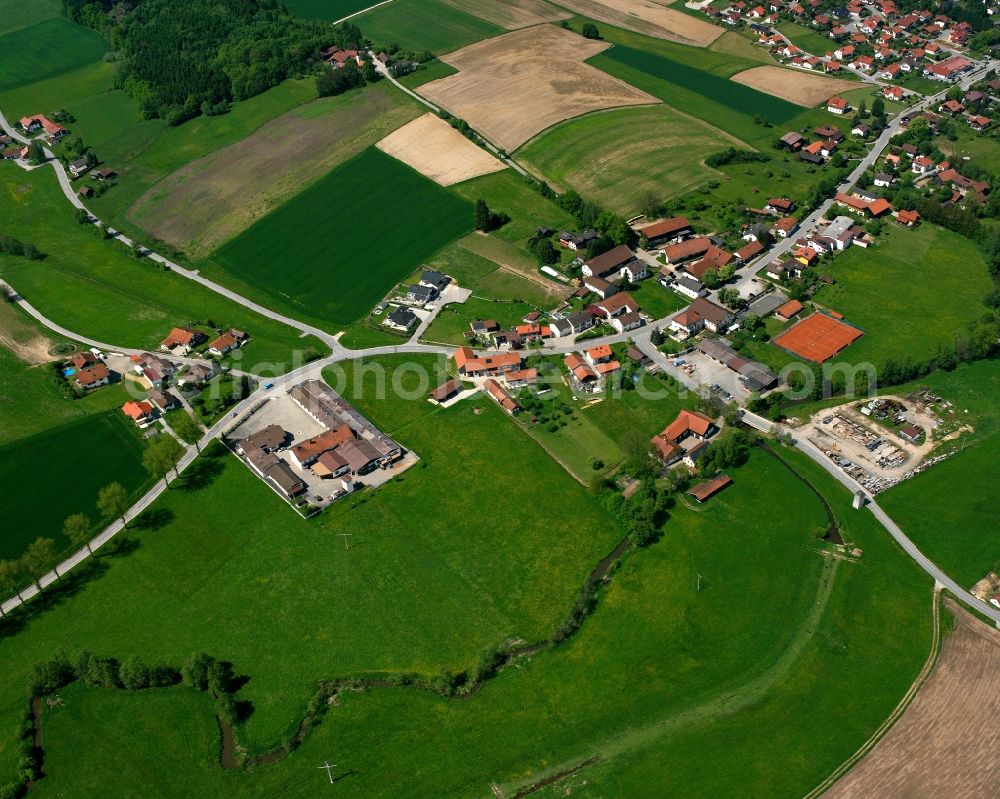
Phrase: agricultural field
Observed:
(551, 83)
(94, 288)
(796, 86)
(422, 25)
(946, 741)
(47, 48)
(928, 274)
(327, 9)
(80, 458)
(741, 689)
(741, 45)
(241, 183)
(698, 90)
(945, 510)
(650, 18)
(310, 251)
(437, 151)
(512, 14)
(620, 157)
(15, 14)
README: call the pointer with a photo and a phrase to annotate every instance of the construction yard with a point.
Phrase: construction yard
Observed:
(545, 81)
(947, 741)
(880, 442)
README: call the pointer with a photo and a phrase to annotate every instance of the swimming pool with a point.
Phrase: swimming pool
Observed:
(69, 371)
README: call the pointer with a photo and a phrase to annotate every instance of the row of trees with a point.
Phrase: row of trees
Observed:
(160, 457)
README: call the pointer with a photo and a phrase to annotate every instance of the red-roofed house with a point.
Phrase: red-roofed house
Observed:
(838, 105)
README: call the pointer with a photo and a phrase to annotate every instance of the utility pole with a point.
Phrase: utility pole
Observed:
(329, 769)
(345, 536)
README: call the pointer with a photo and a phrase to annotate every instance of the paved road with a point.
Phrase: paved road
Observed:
(804, 445)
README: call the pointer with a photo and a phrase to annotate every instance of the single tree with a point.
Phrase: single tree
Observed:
(38, 557)
(77, 530)
(590, 31)
(10, 573)
(36, 153)
(113, 501)
(162, 455)
(187, 427)
(134, 674)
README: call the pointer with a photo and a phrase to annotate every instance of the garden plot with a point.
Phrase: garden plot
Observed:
(514, 86)
(801, 88)
(648, 17)
(438, 151)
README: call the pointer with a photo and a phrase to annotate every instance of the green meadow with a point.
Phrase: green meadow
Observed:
(50, 47)
(949, 510)
(327, 9)
(659, 684)
(335, 249)
(910, 292)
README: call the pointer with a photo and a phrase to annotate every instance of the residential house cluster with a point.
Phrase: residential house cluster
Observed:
(87, 371)
(589, 372)
(504, 368)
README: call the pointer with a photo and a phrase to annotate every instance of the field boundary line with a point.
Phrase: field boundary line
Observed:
(897, 712)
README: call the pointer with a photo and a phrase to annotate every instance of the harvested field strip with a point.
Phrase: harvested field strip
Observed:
(438, 151)
(49, 48)
(818, 337)
(650, 18)
(81, 458)
(696, 81)
(796, 86)
(423, 25)
(372, 216)
(512, 14)
(947, 740)
(234, 186)
(622, 156)
(545, 82)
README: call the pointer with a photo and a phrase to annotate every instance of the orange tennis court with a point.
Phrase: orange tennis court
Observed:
(818, 337)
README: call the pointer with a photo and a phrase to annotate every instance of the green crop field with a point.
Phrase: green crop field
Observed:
(909, 293)
(372, 217)
(949, 510)
(661, 682)
(327, 9)
(619, 157)
(96, 289)
(16, 14)
(421, 25)
(689, 82)
(47, 48)
(79, 459)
